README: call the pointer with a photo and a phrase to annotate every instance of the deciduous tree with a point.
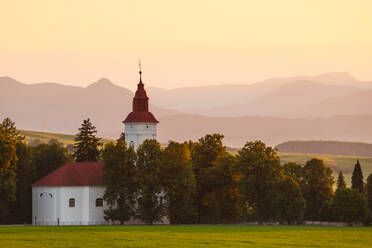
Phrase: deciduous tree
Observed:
(120, 177)
(317, 188)
(150, 202)
(179, 182)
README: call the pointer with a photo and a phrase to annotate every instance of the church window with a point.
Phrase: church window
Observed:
(71, 202)
(99, 202)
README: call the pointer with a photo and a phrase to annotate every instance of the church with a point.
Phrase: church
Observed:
(73, 194)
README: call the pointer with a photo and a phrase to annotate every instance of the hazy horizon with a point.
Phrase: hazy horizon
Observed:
(183, 44)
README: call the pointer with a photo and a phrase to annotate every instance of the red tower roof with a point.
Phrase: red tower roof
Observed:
(74, 174)
(140, 108)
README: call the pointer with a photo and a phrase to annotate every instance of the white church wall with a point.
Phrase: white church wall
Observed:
(44, 202)
(96, 215)
(137, 133)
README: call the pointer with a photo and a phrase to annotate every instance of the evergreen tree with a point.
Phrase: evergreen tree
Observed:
(260, 171)
(151, 197)
(317, 188)
(179, 182)
(290, 202)
(369, 191)
(8, 180)
(9, 130)
(86, 143)
(357, 178)
(341, 184)
(119, 176)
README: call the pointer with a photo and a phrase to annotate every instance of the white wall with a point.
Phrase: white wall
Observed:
(136, 133)
(50, 205)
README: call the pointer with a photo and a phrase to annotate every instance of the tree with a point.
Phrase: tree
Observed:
(120, 178)
(48, 158)
(357, 178)
(341, 184)
(9, 130)
(8, 181)
(150, 202)
(204, 155)
(86, 144)
(179, 182)
(51, 141)
(122, 137)
(369, 191)
(260, 171)
(350, 206)
(293, 170)
(317, 188)
(290, 202)
(22, 210)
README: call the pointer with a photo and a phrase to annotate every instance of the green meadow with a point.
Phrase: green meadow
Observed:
(185, 236)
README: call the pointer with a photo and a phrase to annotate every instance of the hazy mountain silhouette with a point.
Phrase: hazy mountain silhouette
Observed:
(289, 97)
(197, 99)
(64, 107)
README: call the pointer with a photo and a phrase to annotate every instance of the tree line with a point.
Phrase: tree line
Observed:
(189, 182)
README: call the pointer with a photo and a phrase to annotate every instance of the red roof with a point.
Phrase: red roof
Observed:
(140, 108)
(74, 174)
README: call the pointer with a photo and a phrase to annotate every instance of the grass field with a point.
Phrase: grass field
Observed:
(45, 137)
(336, 162)
(185, 236)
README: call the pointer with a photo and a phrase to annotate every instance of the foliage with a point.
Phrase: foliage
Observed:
(179, 182)
(48, 158)
(150, 202)
(8, 181)
(341, 184)
(357, 178)
(293, 170)
(119, 176)
(87, 145)
(290, 202)
(350, 206)
(317, 188)
(204, 154)
(369, 191)
(259, 169)
(9, 130)
(26, 175)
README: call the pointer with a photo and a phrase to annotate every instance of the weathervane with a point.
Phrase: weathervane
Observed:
(139, 66)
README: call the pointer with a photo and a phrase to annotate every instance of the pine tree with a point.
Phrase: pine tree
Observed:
(8, 128)
(357, 178)
(87, 146)
(341, 181)
(119, 176)
(122, 137)
(369, 191)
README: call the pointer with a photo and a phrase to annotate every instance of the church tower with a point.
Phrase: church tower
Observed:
(140, 124)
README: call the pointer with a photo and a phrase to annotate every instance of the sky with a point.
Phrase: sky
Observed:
(183, 43)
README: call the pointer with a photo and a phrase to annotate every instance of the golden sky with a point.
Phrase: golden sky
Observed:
(183, 43)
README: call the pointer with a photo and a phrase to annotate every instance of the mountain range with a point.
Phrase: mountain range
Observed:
(333, 106)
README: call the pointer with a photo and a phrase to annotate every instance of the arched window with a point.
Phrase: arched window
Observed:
(99, 202)
(71, 202)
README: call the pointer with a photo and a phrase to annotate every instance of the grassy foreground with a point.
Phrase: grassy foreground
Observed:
(185, 236)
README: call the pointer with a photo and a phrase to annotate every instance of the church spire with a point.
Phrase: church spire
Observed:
(140, 71)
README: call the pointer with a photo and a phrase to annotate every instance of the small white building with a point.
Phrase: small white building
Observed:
(73, 194)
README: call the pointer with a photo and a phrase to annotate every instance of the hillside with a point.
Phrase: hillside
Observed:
(327, 147)
(44, 137)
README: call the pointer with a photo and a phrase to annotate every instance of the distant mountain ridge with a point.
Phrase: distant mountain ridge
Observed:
(279, 112)
(327, 147)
